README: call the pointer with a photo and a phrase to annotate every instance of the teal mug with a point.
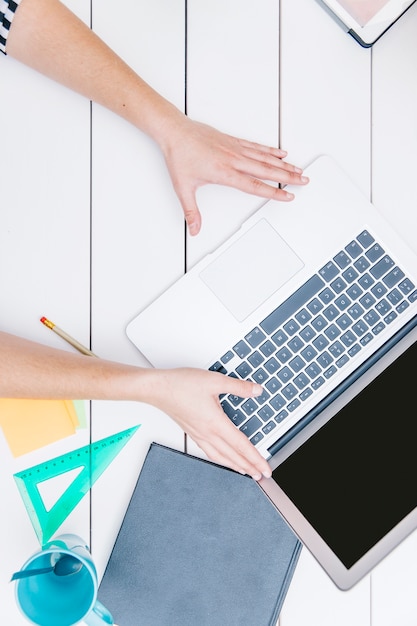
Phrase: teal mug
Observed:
(58, 586)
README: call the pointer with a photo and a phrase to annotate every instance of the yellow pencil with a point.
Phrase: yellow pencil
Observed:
(73, 342)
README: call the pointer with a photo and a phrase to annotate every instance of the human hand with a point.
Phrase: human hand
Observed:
(191, 398)
(197, 154)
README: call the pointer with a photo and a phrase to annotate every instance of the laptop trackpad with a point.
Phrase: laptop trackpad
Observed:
(251, 269)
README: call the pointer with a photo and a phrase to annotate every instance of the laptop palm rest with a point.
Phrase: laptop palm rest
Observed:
(267, 267)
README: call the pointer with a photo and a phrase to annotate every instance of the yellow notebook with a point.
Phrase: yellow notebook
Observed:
(31, 424)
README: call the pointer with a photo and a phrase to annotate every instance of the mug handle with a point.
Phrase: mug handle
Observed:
(99, 616)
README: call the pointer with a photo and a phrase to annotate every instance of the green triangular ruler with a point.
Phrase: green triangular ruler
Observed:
(93, 459)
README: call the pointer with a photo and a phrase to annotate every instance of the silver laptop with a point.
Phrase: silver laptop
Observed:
(317, 301)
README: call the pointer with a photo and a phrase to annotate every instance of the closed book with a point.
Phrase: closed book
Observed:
(200, 545)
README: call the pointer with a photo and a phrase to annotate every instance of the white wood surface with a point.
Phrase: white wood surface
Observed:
(90, 249)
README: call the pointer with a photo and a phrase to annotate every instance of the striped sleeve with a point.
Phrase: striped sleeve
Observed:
(7, 11)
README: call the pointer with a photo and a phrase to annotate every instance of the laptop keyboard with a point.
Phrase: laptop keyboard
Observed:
(314, 333)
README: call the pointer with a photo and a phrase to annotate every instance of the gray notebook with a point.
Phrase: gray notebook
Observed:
(199, 544)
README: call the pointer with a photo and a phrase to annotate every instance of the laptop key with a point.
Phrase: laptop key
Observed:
(273, 385)
(318, 382)
(293, 405)
(289, 391)
(329, 271)
(285, 374)
(267, 348)
(260, 376)
(256, 438)
(279, 338)
(305, 394)
(249, 406)
(263, 397)
(265, 413)
(281, 416)
(242, 349)
(235, 415)
(277, 402)
(307, 333)
(402, 306)
(366, 339)
(354, 291)
(251, 426)
(361, 264)
(342, 259)
(382, 267)
(365, 239)
(406, 286)
(243, 370)
(393, 277)
(350, 275)
(268, 427)
(329, 372)
(354, 249)
(394, 296)
(342, 361)
(272, 365)
(256, 358)
(218, 367)
(255, 337)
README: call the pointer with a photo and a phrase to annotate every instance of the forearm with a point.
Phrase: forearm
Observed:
(48, 37)
(189, 396)
(31, 370)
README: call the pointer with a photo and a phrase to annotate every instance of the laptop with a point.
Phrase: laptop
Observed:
(317, 301)
(366, 20)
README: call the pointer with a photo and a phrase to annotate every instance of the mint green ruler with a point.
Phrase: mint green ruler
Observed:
(91, 460)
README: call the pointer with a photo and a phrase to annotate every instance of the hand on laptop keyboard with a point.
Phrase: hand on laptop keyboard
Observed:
(191, 398)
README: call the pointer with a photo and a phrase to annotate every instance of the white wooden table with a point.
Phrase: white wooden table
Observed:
(90, 247)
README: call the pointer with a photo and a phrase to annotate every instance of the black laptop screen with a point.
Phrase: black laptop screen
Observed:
(356, 477)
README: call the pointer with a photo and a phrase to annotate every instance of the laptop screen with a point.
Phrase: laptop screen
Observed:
(362, 11)
(354, 479)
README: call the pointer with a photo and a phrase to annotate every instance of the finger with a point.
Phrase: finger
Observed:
(259, 147)
(257, 187)
(191, 213)
(235, 451)
(271, 160)
(262, 169)
(238, 387)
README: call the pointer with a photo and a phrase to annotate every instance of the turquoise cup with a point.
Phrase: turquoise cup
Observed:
(62, 590)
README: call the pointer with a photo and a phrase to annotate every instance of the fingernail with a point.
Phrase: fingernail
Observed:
(298, 170)
(257, 476)
(257, 390)
(193, 228)
(267, 474)
(304, 179)
(289, 196)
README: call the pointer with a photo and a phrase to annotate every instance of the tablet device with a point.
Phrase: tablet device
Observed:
(346, 483)
(366, 20)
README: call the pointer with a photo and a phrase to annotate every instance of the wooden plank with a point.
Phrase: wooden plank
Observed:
(232, 84)
(44, 262)
(325, 91)
(313, 599)
(394, 123)
(137, 239)
(394, 158)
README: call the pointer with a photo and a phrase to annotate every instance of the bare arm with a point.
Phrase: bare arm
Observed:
(189, 396)
(48, 37)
